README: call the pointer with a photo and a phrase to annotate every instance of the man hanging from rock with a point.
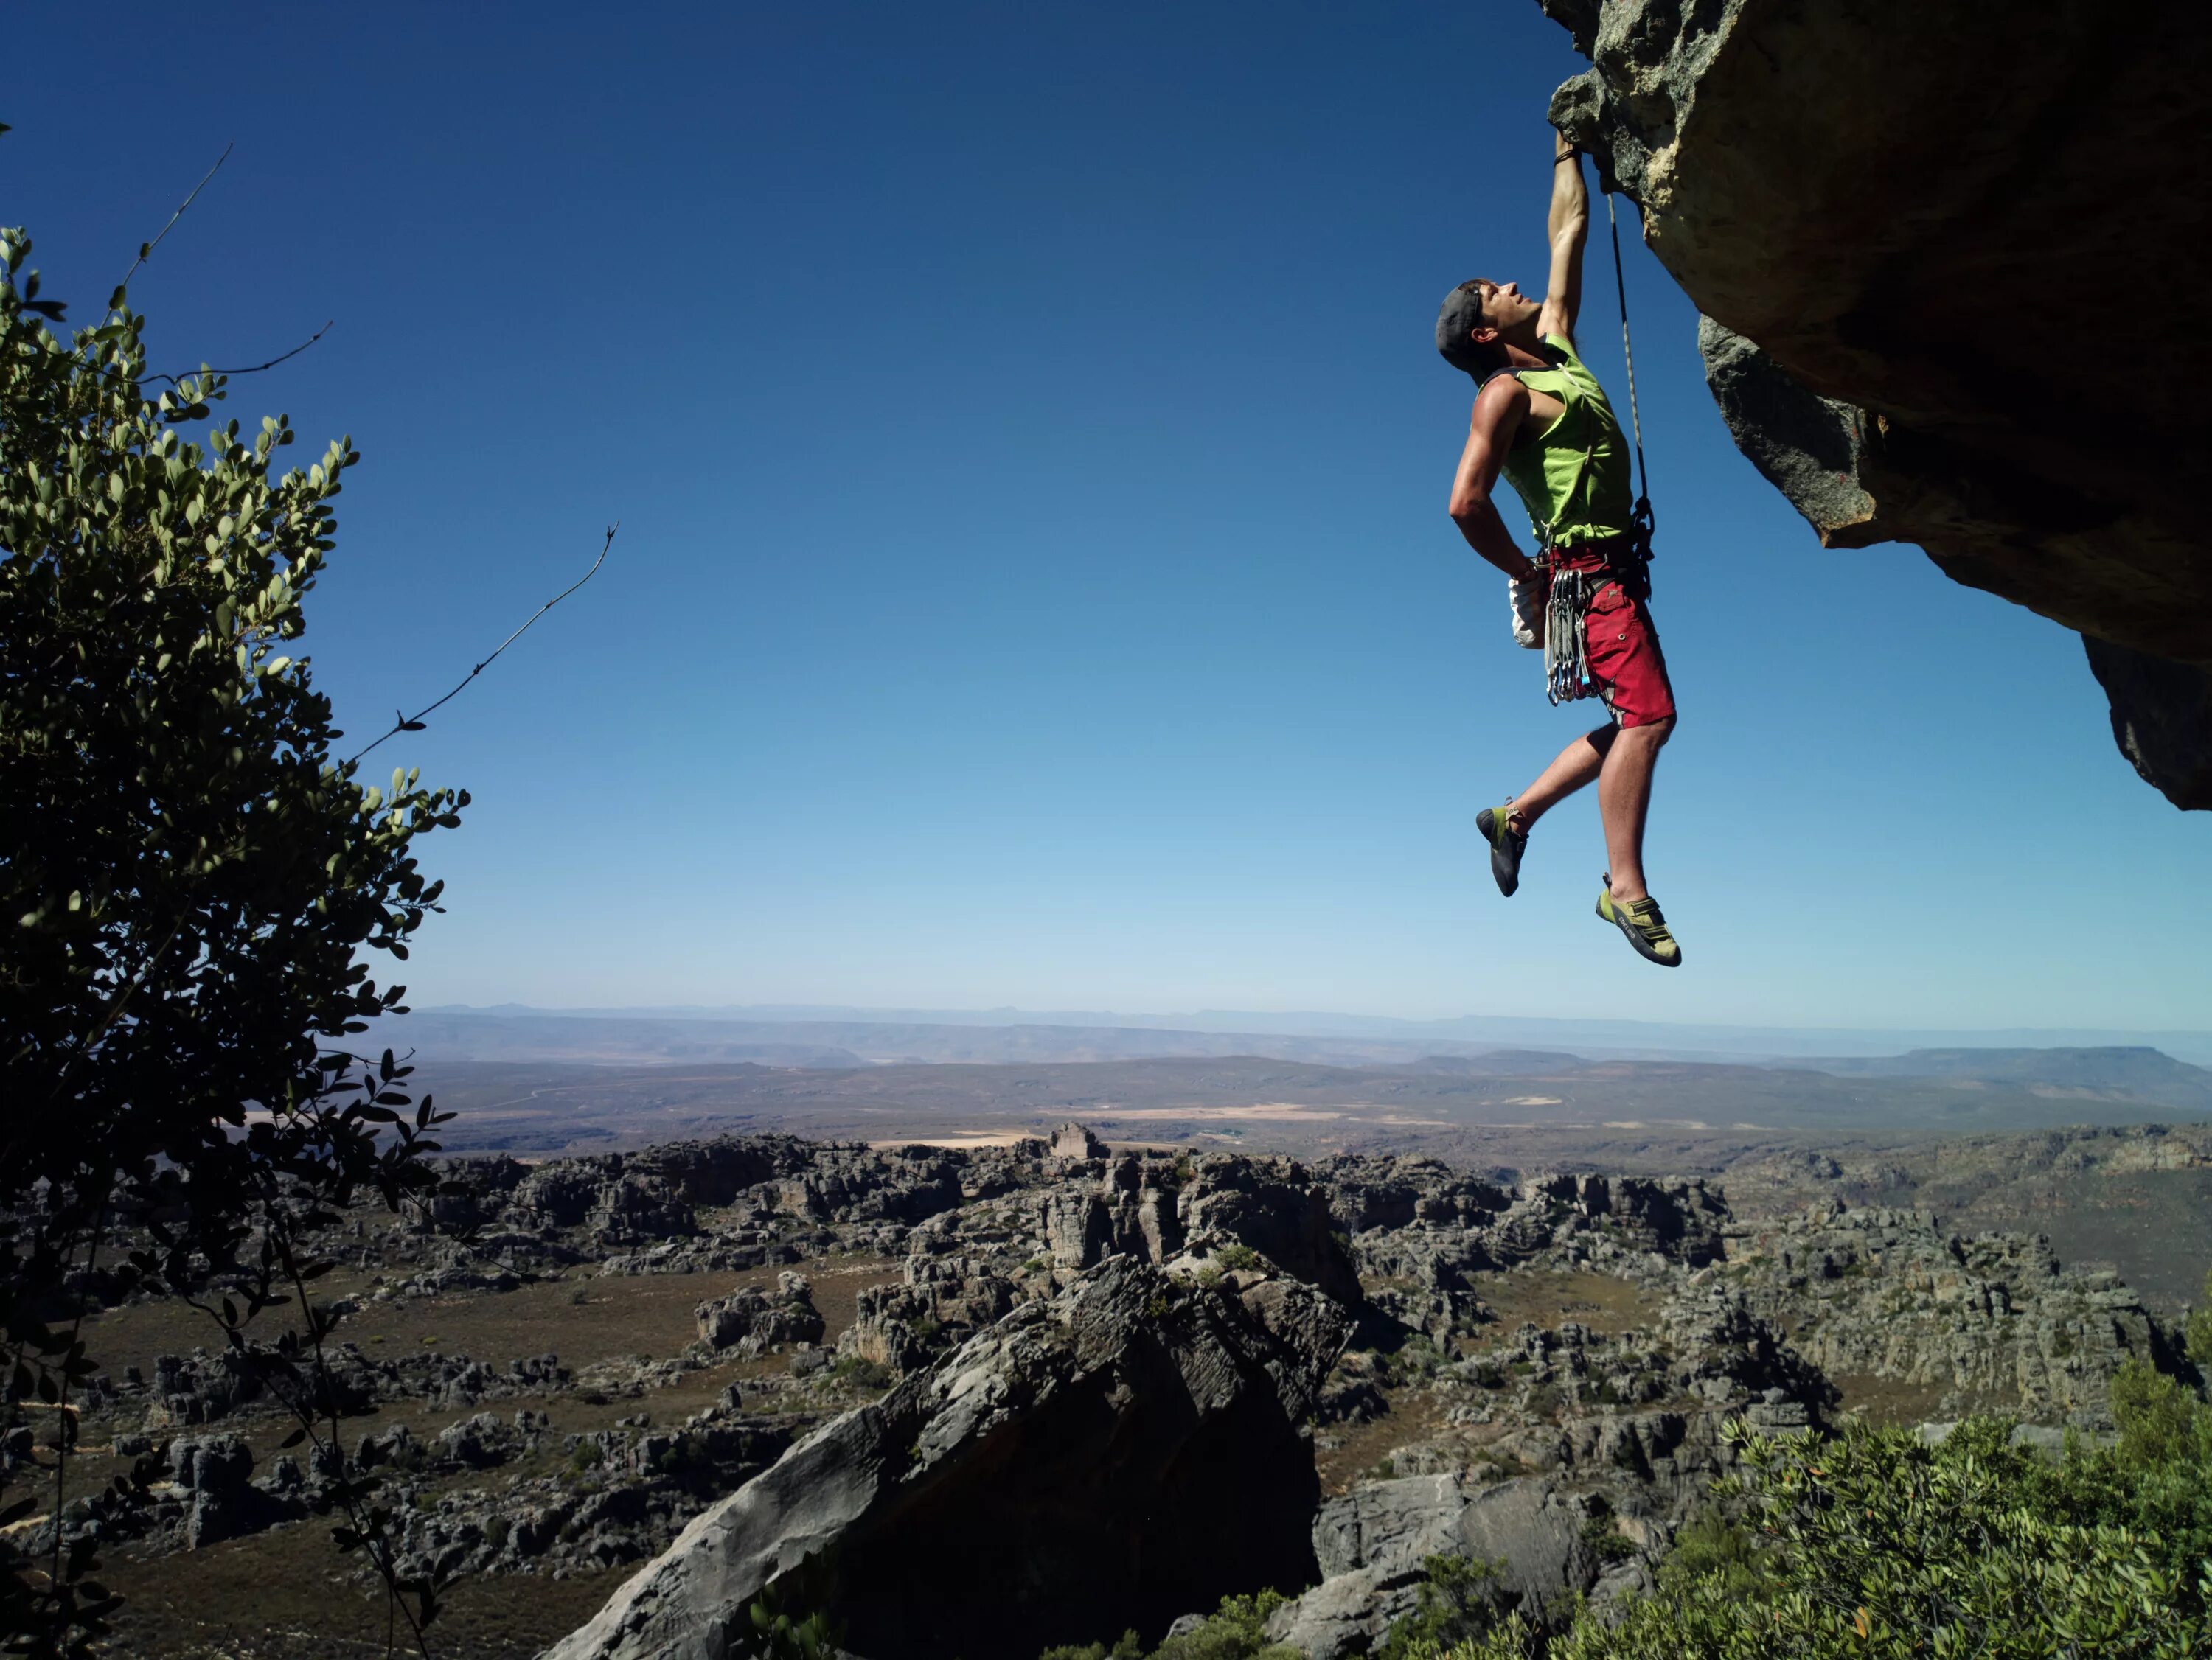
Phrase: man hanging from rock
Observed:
(1542, 420)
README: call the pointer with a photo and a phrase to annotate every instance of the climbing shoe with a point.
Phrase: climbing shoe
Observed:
(1506, 845)
(1640, 920)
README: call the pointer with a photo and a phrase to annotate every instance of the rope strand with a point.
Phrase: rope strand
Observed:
(1627, 350)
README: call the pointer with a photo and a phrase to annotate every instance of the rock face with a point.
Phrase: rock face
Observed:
(752, 1323)
(1373, 1542)
(1887, 211)
(1101, 1429)
(1992, 1323)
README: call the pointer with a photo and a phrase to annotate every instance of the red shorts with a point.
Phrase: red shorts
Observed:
(1623, 646)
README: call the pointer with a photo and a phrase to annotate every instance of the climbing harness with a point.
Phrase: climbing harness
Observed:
(1628, 558)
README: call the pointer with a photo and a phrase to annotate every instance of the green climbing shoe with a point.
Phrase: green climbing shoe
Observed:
(1640, 920)
(1506, 845)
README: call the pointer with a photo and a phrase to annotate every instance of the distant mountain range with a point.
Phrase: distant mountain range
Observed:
(2106, 1072)
(1362, 1036)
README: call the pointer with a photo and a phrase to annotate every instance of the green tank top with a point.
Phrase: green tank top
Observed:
(1573, 477)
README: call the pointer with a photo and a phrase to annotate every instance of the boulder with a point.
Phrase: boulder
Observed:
(1271, 1206)
(1371, 1544)
(1868, 202)
(1073, 1141)
(752, 1321)
(1124, 1452)
(215, 1473)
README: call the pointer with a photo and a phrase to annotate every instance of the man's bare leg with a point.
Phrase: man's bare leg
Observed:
(1578, 764)
(1624, 801)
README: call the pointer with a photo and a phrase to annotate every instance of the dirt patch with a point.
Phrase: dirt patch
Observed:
(1549, 1300)
(1888, 1400)
(1414, 1414)
(583, 1319)
(288, 1595)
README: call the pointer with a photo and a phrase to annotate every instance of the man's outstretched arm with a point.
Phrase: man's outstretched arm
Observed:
(1498, 413)
(1569, 228)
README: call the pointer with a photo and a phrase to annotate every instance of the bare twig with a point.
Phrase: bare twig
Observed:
(325, 1447)
(65, 1428)
(414, 722)
(256, 369)
(146, 249)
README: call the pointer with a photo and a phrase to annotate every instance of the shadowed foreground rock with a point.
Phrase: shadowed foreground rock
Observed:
(1120, 1455)
(1889, 210)
(1373, 1545)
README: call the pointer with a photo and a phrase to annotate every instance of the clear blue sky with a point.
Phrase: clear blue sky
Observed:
(1034, 586)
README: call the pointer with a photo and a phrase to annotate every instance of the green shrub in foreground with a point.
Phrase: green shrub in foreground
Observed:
(1871, 1545)
(1235, 1631)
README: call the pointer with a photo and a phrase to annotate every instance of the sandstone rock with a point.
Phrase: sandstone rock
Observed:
(752, 1321)
(1100, 1428)
(1073, 1141)
(215, 1473)
(1876, 196)
(1995, 1322)
(1371, 1544)
(1273, 1207)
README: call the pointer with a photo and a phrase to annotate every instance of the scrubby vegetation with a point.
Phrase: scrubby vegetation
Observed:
(1872, 1544)
(1459, 1599)
(1237, 1629)
(189, 875)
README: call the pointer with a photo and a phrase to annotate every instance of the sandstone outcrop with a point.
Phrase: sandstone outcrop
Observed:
(1101, 1429)
(1992, 1323)
(753, 1322)
(1086, 1354)
(1372, 1545)
(1951, 267)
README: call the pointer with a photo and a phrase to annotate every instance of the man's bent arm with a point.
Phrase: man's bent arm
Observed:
(1568, 228)
(1498, 413)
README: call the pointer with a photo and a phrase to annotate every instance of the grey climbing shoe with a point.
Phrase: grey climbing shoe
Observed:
(1506, 845)
(1646, 927)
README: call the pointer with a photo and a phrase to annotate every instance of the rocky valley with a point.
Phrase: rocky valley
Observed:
(611, 1399)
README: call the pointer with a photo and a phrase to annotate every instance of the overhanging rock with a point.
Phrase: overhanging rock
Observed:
(1967, 246)
(1119, 1456)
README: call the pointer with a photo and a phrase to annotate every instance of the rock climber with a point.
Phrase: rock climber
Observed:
(1542, 420)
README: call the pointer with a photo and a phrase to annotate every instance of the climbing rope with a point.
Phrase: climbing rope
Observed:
(1566, 606)
(1642, 521)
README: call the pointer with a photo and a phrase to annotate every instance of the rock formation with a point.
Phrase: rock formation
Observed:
(1950, 268)
(1117, 1371)
(1372, 1544)
(1101, 1431)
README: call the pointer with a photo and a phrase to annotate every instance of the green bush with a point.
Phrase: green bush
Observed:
(1604, 1541)
(2196, 1335)
(1128, 1646)
(1870, 1545)
(1235, 1631)
(858, 1371)
(1235, 1256)
(1460, 1598)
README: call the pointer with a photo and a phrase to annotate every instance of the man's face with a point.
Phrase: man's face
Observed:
(1502, 305)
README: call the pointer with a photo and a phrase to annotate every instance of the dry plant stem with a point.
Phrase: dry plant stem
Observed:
(64, 1431)
(283, 358)
(414, 722)
(330, 1453)
(146, 249)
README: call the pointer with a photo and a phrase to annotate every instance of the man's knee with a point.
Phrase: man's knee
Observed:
(1653, 732)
